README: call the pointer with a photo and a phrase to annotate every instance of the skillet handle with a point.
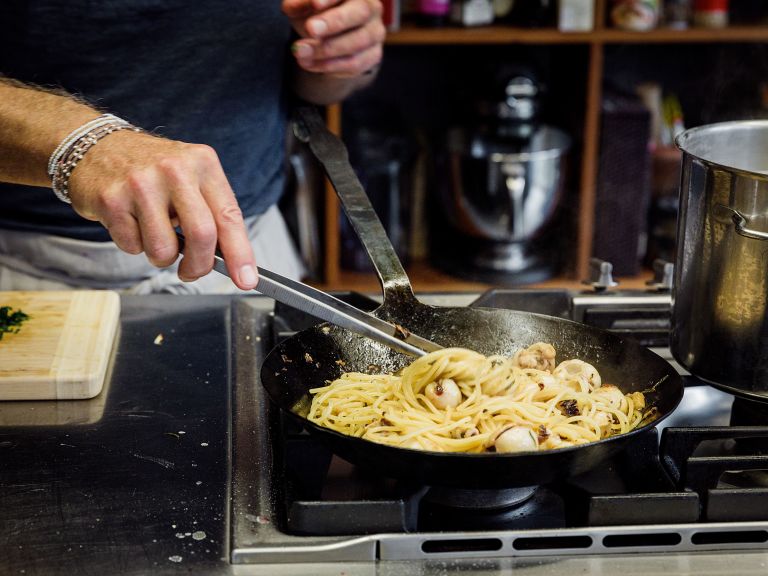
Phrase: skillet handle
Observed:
(310, 128)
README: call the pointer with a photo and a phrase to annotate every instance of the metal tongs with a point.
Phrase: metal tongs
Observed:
(331, 152)
(329, 308)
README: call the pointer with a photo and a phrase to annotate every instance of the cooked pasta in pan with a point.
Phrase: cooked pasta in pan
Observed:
(457, 400)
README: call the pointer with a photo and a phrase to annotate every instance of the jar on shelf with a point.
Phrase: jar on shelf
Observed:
(677, 13)
(576, 15)
(636, 15)
(710, 13)
(472, 12)
(433, 13)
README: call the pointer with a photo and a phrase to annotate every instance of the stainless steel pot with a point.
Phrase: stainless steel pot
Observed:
(720, 298)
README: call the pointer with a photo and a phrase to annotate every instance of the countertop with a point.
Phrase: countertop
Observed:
(136, 481)
(140, 481)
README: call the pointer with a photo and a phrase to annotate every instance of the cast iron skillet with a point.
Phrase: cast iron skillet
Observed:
(309, 358)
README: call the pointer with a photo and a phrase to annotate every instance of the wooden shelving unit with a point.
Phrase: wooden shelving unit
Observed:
(425, 278)
(415, 36)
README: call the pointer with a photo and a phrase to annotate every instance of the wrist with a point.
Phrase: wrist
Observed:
(75, 145)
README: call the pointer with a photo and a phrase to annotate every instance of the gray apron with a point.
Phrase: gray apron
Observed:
(31, 261)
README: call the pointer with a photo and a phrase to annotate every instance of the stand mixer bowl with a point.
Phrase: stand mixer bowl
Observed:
(500, 195)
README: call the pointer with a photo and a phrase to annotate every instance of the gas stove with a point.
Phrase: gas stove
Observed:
(697, 482)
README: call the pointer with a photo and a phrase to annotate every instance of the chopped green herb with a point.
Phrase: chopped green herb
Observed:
(11, 321)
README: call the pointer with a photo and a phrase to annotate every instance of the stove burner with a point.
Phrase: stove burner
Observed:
(459, 509)
(478, 500)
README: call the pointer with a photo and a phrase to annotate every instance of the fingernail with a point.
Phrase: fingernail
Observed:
(248, 275)
(302, 51)
(320, 4)
(317, 27)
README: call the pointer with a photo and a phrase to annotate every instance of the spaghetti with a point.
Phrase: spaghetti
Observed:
(457, 400)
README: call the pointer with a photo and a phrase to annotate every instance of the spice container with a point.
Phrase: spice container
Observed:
(710, 13)
(472, 12)
(433, 13)
(576, 15)
(391, 14)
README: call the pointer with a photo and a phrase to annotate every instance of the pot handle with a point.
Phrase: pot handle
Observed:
(741, 223)
(309, 127)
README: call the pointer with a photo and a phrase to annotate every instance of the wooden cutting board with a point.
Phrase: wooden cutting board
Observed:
(62, 351)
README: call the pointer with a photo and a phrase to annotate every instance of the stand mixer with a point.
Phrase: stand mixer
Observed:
(503, 179)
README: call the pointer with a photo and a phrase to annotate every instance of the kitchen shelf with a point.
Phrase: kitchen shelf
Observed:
(691, 35)
(413, 35)
(423, 277)
(596, 42)
(426, 278)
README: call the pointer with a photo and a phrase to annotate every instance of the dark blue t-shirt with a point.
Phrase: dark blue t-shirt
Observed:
(204, 71)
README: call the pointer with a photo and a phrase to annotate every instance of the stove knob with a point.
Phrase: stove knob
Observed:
(663, 276)
(600, 275)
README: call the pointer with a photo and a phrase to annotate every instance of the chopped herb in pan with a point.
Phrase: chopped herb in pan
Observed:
(10, 320)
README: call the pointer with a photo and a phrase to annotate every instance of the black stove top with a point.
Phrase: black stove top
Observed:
(700, 480)
(683, 479)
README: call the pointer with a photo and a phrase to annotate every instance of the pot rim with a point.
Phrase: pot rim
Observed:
(721, 127)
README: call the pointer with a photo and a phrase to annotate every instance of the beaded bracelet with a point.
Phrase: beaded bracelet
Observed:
(77, 133)
(73, 148)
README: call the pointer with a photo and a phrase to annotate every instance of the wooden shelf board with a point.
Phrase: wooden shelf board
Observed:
(669, 35)
(411, 35)
(484, 35)
(425, 278)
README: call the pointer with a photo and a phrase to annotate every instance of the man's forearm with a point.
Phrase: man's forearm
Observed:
(323, 89)
(137, 185)
(33, 122)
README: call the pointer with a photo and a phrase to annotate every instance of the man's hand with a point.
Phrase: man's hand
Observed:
(140, 187)
(339, 38)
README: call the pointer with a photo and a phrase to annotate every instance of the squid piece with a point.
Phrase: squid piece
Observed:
(443, 394)
(540, 356)
(604, 420)
(465, 432)
(580, 371)
(554, 441)
(423, 444)
(525, 388)
(529, 387)
(516, 439)
(638, 399)
(610, 394)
